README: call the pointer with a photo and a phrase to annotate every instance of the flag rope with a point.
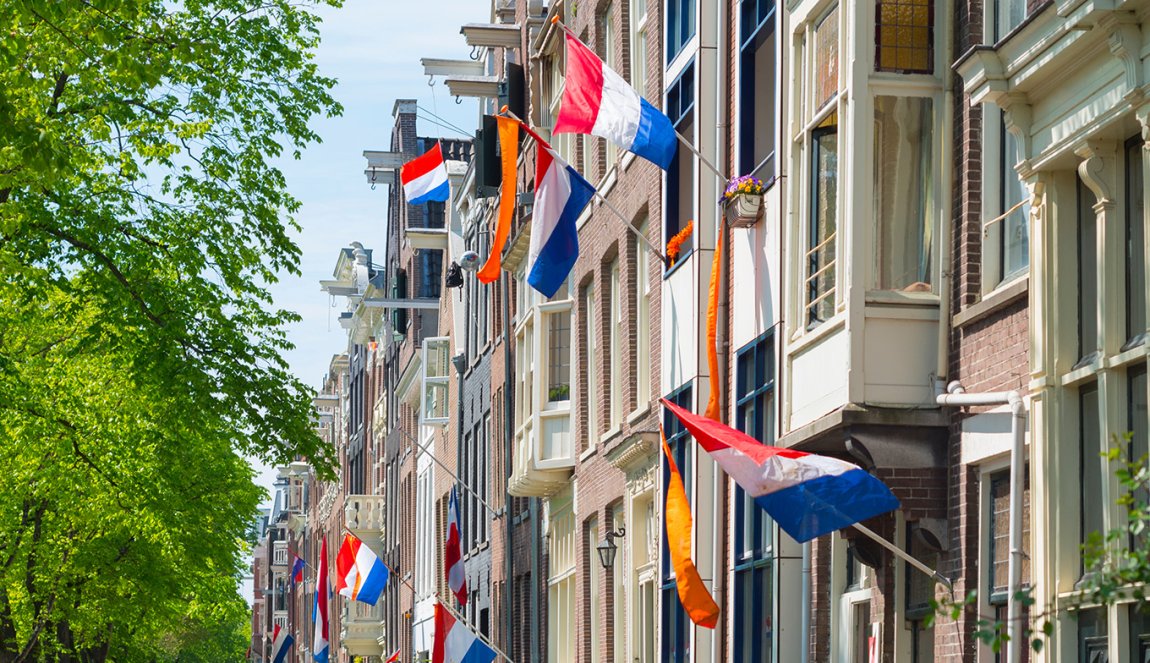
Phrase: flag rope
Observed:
(601, 197)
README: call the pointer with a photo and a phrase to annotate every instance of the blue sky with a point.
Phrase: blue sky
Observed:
(373, 48)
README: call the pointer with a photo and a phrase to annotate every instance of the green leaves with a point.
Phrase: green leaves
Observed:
(141, 222)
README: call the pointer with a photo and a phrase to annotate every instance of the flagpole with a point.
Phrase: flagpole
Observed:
(899, 552)
(603, 198)
(451, 610)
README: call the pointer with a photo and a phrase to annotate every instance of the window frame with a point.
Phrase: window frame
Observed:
(765, 28)
(676, 627)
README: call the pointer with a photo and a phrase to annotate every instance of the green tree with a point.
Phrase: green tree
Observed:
(141, 220)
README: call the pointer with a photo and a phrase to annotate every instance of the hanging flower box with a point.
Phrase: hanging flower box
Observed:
(745, 209)
(744, 199)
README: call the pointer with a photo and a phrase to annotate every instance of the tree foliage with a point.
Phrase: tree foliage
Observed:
(141, 220)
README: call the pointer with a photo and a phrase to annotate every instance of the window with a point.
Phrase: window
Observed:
(676, 625)
(821, 263)
(1014, 247)
(758, 78)
(1138, 423)
(1005, 16)
(609, 51)
(1090, 463)
(639, 46)
(431, 270)
(919, 594)
(1088, 341)
(642, 317)
(594, 594)
(1135, 245)
(998, 548)
(1139, 620)
(903, 199)
(904, 36)
(754, 552)
(822, 154)
(561, 619)
(615, 351)
(681, 174)
(436, 377)
(559, 356)
(680, 26)
(590, 368)
(1093, 643)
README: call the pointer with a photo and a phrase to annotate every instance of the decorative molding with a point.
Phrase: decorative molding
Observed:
(1017, 115)
(1097, 169)
(1125, 41)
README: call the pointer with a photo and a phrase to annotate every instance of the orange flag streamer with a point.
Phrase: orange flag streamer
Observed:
(696, 600)
(509, 151)
(712, 412)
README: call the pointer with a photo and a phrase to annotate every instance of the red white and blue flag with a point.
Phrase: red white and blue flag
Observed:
(807, 495)
(455, 643)
(360, 575)
(281, 643)
(597, 101)
(561, 193)
(453, 555)
(425, 178)
(320, 649)
(297, 569)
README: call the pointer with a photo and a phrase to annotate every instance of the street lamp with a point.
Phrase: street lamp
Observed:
(607, 548)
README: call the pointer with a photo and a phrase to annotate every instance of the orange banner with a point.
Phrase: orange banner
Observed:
(696, 600)
(713, 410)
(509, 154)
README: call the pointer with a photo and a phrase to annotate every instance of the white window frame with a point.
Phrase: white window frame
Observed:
(435, 381)
(637, 75)
(642, 356)
(615, 324)
(590, 368)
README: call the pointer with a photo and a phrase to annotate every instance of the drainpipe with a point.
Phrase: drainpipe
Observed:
(508, 432)
(957, 396)
(536, 581)
(722, 336)
(946, 242)
(805, 628)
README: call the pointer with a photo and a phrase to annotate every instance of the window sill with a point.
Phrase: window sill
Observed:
(992, 302)
(899, 298)
(606, 438)
(606, 183)
(1135, 354)
(625, 161)
(803, 337)
(683, 259)
(1083, 374)
(591, 451)
(639, 413)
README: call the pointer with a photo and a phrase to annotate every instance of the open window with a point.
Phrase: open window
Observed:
(436, 376)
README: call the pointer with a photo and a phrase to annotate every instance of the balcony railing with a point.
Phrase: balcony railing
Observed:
(280, 619)
(364, 515)
(280, 554)
(362, 628)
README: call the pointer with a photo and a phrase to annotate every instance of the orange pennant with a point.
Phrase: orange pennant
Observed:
(713, 412)
(696, 600)
(509, 154)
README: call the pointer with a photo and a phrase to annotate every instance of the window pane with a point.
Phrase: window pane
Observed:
(757, 83)
(904, 35)
(1015, 246)
(559, 359)
(1007, 15)
(1135, 243)
(1087, 272)
(1090, 462)
(902, 174)
(827, 58)
(824, 213)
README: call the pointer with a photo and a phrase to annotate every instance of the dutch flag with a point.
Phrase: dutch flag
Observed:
(281, 643)
(597, 101)
(455, 643)
(360, 575)
(453, 556)
(561, 193)
(425, 178)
